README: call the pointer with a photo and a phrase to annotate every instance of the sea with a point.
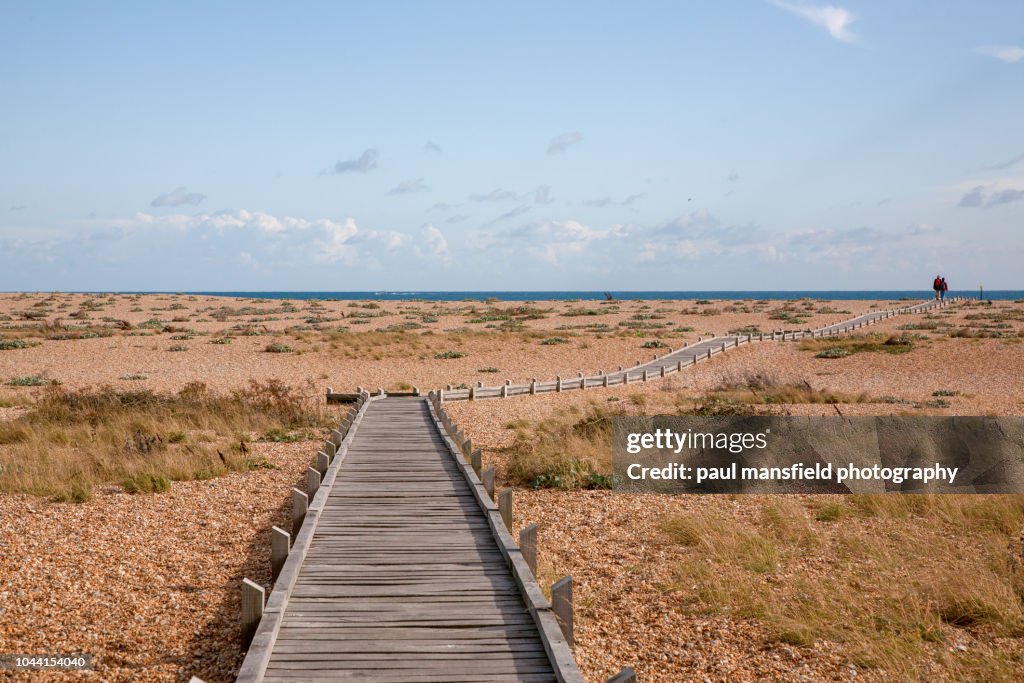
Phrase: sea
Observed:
(893, 295)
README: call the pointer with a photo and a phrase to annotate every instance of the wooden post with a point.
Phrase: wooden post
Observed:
(583, 382)
(312, 482)
(561, 604)
(322, 462)
(280, 544)
(604, 381)
(472, 393)
(488, 481)
(504, 391)
(528, 547)
(646, 375)
(253, 599)
(625, 675)
(625, 377)
(467, 446)
(679, 366)
(558, 382)
(300, 503)
(505, 507)
(330, 449)
(709, 353)
(662, 370)
(533, 387)
(476, 461)
(440, 396)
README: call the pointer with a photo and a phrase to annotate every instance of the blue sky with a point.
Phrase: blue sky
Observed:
(525, 146)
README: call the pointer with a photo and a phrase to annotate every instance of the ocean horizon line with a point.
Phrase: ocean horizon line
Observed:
(562, 295)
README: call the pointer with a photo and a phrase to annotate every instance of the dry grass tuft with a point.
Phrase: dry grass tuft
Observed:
(70, 441)
(839, 347)
(890, 581)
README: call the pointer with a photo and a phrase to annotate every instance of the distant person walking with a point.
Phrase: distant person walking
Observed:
(937, 286)
(942, 292)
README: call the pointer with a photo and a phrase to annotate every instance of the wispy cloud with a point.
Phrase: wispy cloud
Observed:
(366, 162)
(497, 195)
(457, 218)
(1011, 54)
(410, 186)
(511, 213)
(178, 197)
(542, 195)
(1005, 165)
(17, 207)
(603, 202)
(432, 147)
(835, 20)
(560, 143)
(980, 196)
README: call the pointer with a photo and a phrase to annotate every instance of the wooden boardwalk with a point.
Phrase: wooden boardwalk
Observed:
(404, 578)
(403, 570)
(676, 360)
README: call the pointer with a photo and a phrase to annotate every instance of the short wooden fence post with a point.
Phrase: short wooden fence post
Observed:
(312, 481)
(476, 461)
(300, 503)
(280, 544)
(626, 675)
(528, 547)
(323, 461)
(561, 604)
(488, 481)
(253, 600)
(505, 507)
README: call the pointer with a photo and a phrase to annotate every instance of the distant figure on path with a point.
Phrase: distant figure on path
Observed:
(945, 288)
(937, 286)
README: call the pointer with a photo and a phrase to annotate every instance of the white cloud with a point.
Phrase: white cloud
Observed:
(1011, 54)
(434, 239)
(833, 19)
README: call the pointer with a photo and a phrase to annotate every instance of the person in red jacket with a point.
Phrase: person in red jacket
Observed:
(937, 286)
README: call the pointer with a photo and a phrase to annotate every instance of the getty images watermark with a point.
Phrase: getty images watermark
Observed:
(767, 454)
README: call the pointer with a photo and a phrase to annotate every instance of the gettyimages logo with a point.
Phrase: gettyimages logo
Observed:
(762, 454)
